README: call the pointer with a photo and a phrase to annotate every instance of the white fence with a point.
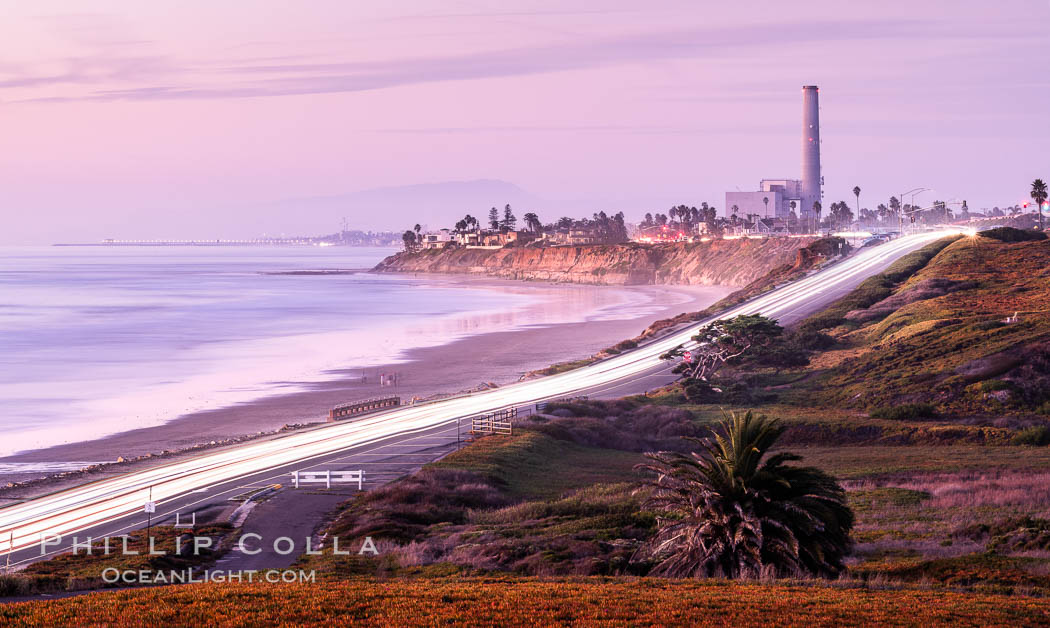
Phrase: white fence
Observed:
(328, 478)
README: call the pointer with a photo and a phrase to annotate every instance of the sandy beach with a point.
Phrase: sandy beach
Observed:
(499, 357)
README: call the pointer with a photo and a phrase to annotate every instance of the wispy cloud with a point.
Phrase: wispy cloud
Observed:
(250, 79)
(714, 128)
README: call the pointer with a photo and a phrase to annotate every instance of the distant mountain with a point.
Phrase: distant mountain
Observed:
(393, 208)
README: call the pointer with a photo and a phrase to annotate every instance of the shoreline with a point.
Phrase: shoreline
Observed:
(499, 356)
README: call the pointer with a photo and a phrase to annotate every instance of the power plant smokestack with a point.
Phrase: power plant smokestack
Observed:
(811, 182)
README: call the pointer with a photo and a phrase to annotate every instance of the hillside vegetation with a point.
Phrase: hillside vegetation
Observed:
(966, 333)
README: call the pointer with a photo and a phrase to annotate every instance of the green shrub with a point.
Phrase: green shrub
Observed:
(992, 385)
(1009, 234)
(1037, 435)
(1044, 409)
(699, 391)
(622, 346)
(989, 325)
(811, 340)
(905, 412)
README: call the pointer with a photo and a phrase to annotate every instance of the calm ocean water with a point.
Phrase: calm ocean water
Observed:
(98, 340)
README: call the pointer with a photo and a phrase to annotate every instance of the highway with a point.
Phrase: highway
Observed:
(111, 506)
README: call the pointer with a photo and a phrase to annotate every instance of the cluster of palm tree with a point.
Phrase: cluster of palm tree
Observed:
(604, 229)
(732, 509)
(681, 217)
(469, 223)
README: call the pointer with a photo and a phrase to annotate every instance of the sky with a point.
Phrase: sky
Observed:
(177, 119)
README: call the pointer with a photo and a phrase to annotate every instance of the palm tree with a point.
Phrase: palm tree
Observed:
(856, 192)
(816, 212)
(765, 200)
(1039, 196)
(728, 510)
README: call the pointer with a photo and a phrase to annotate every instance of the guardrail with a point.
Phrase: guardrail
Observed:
(355, 408)
(328, 478)
(542, 405)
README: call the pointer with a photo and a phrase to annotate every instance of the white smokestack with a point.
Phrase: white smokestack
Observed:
(810, 150)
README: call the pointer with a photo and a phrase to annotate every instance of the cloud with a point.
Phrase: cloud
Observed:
(97, 69)
(716, 127)
(251, 79)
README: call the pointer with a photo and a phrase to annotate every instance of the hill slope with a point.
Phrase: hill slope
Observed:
(969, 332)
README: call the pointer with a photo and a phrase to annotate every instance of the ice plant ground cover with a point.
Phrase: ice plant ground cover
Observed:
(507, 601)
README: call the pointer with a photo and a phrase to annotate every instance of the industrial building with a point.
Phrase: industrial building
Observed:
(777, 198)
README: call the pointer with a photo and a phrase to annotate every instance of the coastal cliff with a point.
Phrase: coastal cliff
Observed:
(718, 262)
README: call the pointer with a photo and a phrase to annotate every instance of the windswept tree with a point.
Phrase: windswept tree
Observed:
(532, 222)
(730, 509)
(723, 341)
(409, 239)
(1039, 196)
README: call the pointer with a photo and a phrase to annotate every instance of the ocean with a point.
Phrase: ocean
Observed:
(100, 340)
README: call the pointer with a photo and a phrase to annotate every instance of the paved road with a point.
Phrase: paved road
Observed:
(401, 439)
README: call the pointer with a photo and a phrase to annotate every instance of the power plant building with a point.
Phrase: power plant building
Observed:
(775, 196)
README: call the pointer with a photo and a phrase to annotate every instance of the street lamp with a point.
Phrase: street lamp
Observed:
(914, 194)
(900, 212)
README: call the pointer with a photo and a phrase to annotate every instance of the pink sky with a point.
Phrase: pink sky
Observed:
(176, 119)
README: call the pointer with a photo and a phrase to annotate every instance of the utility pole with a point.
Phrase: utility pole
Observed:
(900, 210)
